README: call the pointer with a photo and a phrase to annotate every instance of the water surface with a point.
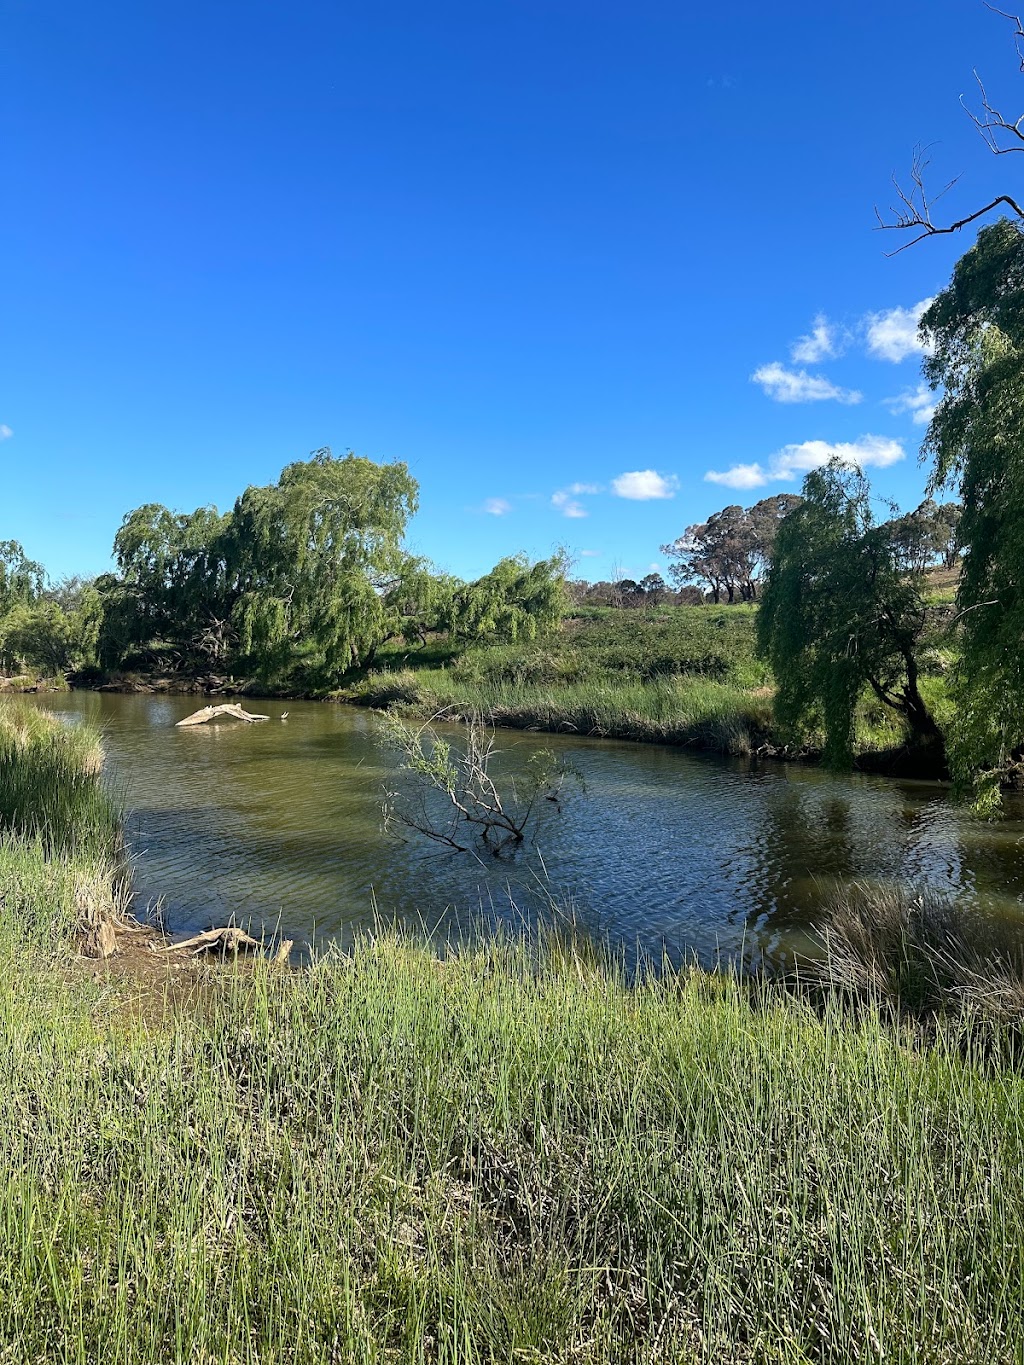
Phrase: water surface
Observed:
(279, 825)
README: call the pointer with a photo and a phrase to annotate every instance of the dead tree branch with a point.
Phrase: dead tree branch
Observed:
(1000, 133)
(449, 794)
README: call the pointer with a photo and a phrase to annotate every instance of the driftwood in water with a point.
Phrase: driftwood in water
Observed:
(229, 709)
(229, 939)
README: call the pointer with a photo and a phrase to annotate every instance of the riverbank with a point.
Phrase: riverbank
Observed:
(508, 1153)
(675, 675)
(686, 676)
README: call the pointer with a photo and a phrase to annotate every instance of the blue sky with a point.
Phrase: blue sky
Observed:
(539, 250)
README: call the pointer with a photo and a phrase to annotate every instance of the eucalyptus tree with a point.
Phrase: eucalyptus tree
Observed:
(695, 559)
(730, 551)
(976, 437)
(841, 614)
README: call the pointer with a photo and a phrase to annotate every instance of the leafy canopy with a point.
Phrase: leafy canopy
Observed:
(314, 556)
(976, 437)
(840, 612)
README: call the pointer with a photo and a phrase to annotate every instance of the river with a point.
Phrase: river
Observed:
(279, 826)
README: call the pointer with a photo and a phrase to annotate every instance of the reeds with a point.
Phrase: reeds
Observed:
(505, 1156)
(671, 710)
(49, 785)
(923, 953)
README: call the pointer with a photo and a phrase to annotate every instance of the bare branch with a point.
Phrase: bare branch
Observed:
(994, 123)
(468, 792)
(1001, 134)
(1018, 33)
(917, 205)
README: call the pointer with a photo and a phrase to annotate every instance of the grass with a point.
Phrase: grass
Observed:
(510, 1154)
(673, 675)
(48, 786)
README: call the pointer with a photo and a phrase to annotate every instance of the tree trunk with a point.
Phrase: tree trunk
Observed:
(926, 734)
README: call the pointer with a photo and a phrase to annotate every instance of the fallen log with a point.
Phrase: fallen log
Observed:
(229, 939)
(229, 710)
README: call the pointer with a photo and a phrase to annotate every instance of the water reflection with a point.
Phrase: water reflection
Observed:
(280, 823)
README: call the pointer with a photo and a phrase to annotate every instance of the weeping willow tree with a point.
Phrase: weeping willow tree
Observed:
(304, 579)
(172, 590)
(517, 600)
(315, 557)
(976, 437)
(842, 612)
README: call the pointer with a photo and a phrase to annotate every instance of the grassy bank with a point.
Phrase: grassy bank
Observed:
(675, 675)
(384, 1159)
(513, 1154)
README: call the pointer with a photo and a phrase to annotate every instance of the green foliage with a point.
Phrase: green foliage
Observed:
(21, 579)
(616, 645)
(173, 585)
(303, 580)
(977, 440)
(677, 675)
(21, 582)
(313, 557)
(842, 611)
(56, 634)
(516, 601)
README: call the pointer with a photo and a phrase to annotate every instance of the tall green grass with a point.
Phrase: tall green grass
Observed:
(506, 1156)
(681, 710)
(49, 786)
(509, 1155)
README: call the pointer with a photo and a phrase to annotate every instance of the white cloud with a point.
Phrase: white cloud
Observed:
(793, 461)
(497, 507)
(823, 342)
(5, 431)
(920, 403)
(565, 500)
(644, 485)
(739, 476)
(567, 505)
(797, 386)
(591, 554)
(893, 335)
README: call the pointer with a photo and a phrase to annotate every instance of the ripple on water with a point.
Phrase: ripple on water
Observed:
(280, 824)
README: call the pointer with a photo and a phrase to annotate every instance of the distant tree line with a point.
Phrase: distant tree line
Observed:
(730, 552)
(650, 591)
(301, 581)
